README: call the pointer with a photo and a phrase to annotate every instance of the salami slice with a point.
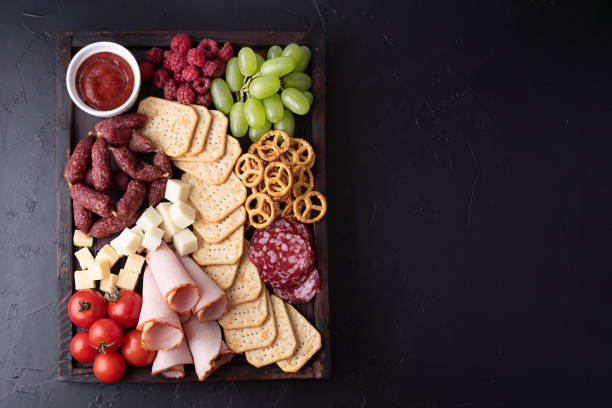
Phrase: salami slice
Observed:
(290, 225)
(303, 292)
(287, 259)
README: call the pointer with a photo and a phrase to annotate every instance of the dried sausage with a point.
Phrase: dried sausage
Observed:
(93, 200)
(139, 143)
(79, 161)
(110, 225)
(82, 217)
(132, 198)
(88, 180)
(302, 292)
(117, 131)
(157, 191)
(134, 167)
(161, 161)
(100, 166)
(119, 180)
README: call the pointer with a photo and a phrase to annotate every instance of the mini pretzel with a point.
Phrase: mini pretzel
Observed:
(284, 207)
(260, 188)
(261, 210)
(270, 146)
(308, 212)
(249, 168)
(278, 179)
(303, 181)
(300, 153)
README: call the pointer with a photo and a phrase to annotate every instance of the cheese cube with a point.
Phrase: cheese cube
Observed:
(127, 243)
(82, 280)
(149, 219)
(134, 263)
(183, 215)
(98, 270)
(138, 232)
(177, 190)
(108, 254)
(153, 238)
(185, 242)
(84, 257)
(82, 240)
(169, 227)
(108, 283)
(127, 279)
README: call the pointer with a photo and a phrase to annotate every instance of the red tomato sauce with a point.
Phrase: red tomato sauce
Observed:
(104, 81)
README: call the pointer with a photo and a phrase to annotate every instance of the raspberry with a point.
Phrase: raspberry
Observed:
(209, 69)
(204, 100)
(175, 62)
(185, 94)
(160, 78)
(209, 48)
(170, 90)
(154, 55)
(181, 43)
(178, 78)
(195, 57)
(146, 70)
(201, 85)
(226, 52)
(191, 73)
(167, 53)
(220, 68)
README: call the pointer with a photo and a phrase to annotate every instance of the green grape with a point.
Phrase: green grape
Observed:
(279, 66)
(304, 60)
(238, 124)
(254, 113)
(256, 134)
(274, 51)
(234, 78)
(286, 124)
(298, 80)
(273, 105)
(264, 86)
(260, 60)
(295, 101)
(221, 95)
(308, 96)
(294, 51)
(247, 61)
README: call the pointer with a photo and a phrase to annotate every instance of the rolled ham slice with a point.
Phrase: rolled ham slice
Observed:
(176, 286)
(160, 326)
(224, 357)
(213, 301)
(171, 363)
(204, 341)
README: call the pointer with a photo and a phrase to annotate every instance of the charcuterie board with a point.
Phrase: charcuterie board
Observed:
(74, 124)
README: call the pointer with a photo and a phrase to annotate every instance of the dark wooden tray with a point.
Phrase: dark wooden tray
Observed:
(73, 125)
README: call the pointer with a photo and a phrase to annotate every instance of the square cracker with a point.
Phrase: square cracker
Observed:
(308, 342)
(215, 232)
(254, 337)
(226, 252)
(223, 275)
(246, 315)
(170, 125)
(247, 285)
(215, 172)
(285, 343)
(215, 202)
(201, 130)
(214, 148)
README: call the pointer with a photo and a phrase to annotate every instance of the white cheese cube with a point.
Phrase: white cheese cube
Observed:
(138, 232)
(82, 240)
(98, 270)
(149, 219)
(134, 263)
(185, 242)
(108, 283)
(82, 280)
(177, 190)
(169, 227)
(84, 257)
(153, 238)
(108, 254)
(182, 214)
(127, 243)
(127, 279)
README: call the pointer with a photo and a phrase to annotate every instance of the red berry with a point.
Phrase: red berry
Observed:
(209, 48)
(146, 70)
(181, 43)
(201, 85)
(170, 90)
(195, 57)
(226, 52)
(209, 69)
(154, 55)
(175, 62)
(220, 68)
(191, 73)
(185, 94)
(160, 78)
(167, 53)
(178, 78)
(204, 100)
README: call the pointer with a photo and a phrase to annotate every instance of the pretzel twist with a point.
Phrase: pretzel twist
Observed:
(308, 212)
(272, 144)
(278, 179)
(299, 153)
(303, 181)
(261, 210)
(249, 168)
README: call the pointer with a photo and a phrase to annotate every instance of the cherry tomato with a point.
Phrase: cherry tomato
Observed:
(109, 367)
(105, 335)
(80, 348)
(133, 351)
(124, 307)
(85, 307)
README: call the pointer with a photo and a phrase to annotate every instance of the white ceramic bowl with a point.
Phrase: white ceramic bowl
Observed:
(88, 51)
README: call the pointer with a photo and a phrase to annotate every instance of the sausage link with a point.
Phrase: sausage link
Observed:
(88, 180)
(161, 161)
(134, 167)
(93, 200)
(119, 180)
(82, 217)
(117, 131)
(139, 143)
(79, 161)
(100, 166)
(110, 225)
(132, 198)
(157, 191)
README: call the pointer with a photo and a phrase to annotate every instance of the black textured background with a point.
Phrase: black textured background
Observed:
(469, 190)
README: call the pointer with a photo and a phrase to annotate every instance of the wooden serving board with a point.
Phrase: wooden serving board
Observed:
(73, 125)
